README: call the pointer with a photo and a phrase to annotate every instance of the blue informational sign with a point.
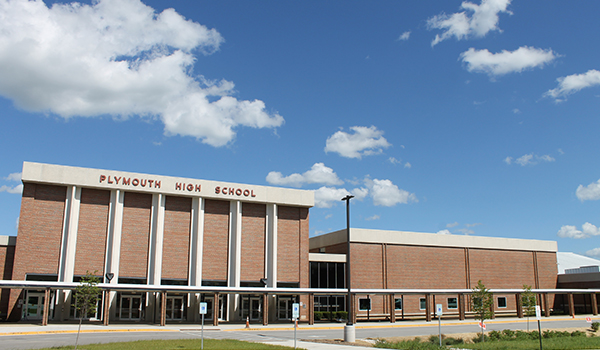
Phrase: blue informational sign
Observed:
(202, 308)
(296, 310)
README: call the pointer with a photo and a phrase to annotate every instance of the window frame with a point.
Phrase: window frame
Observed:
(396, 300)
(360, 308)
(422, 303)
(455, 303)
(505, 303)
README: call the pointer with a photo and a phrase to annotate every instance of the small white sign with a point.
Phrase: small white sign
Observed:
(538, 312)
(295, 310)
(203, 308)
(438, 310)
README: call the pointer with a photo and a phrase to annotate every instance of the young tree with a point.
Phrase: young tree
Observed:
(86, 298)
(528, 301)
(482, 302)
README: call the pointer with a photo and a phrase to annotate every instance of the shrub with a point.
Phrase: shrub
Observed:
(578, 334)
(595, 326)
(415, 344)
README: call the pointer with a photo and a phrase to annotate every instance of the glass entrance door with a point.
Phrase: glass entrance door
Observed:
(174, 307)
(284, 308)
(252, 306)
(131, 307)
(34, 307)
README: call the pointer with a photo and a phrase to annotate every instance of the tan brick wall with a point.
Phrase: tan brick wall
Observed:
(135, 235)
(288, 244)
(216, 238)
(91, 233)
(39, 236)
(176, 242)
(253, 241)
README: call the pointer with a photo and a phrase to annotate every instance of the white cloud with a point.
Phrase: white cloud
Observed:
(516, 111)
(12, 189)
(385, 193)
(407, 165)
(454, 224)
(404, 36)
(593, 253)
(465, 231)
(530, 159)
(365, 141)
(483, 61)
(573, 83)
(444, 232)
(15, 189)
(393, 160)
(371, 218)
(318, 174)
(119, 58)
(587, 230)
(326, 197)
(590, 192)
(483, 19)
(14, 177)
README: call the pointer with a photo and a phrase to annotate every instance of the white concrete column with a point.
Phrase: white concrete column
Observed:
(69, 234)
(235, 255)
(113, 243)
(195, 258)
(66, 265)
(271, 246)
(157, 231)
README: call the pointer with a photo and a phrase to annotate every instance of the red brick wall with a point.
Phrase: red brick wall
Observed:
(40, 230)
(39, 236)
(501, 268)
(7, 257)
(288, 244)
(547, 270)
(135, 235)
(176, 242)
(216, 239)
(425, 267)
(366, 265)
(253, 241)
(91, 232)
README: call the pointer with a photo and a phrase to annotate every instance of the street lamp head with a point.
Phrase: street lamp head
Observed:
(348, 197)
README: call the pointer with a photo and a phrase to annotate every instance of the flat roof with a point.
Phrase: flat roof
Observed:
(179, 186)
(359, 235)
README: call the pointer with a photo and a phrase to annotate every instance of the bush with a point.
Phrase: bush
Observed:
(578, 334)
(595, 326)
(415, 344)
(477, 338)
(341, 315)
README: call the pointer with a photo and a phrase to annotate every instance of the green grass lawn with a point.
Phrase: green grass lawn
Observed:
(184, 344)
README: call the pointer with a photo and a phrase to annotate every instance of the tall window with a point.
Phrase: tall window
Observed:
(422, 304)
(398, 303)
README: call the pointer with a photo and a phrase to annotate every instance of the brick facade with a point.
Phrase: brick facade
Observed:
(253, 241)
(216, 239)
(135, 235)
(176, 241)
(91, 235)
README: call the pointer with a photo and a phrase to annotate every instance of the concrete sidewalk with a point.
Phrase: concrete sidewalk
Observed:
(21, 328)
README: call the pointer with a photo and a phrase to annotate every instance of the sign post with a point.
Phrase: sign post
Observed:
(202, 312)
(295, 317)
(538, 315)
(438, 313)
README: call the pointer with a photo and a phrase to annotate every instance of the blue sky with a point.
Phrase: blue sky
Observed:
(448, 117)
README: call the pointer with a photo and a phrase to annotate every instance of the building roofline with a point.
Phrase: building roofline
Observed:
(358, 235)
(170, 185)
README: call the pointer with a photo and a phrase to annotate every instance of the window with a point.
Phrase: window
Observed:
(364, 304)
(501, 302)
(398, 303)
(422, 304)
(452, 303)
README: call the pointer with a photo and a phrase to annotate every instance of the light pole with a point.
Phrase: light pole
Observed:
(349, 331)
